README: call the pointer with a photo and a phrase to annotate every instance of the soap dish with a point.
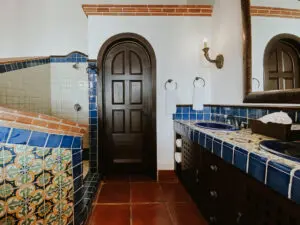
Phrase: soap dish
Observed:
(274, 130)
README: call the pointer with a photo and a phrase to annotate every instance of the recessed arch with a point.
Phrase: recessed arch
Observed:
(281, 62)
(108, 45)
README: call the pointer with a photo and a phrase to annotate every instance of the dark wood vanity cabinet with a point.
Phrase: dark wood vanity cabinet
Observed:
(227, 196)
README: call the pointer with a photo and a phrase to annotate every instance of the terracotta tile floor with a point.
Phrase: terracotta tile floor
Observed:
(137, 200)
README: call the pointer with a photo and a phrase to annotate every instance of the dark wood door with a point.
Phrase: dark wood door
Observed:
(128, 107)
(281, 67)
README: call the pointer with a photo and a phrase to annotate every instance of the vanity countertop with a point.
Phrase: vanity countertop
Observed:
(244, 139)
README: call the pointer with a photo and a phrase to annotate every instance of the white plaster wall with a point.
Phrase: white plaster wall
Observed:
(263, 30)
(56, 27)
(177, 44)
(27, 89)
(68, 87)
(227, 83)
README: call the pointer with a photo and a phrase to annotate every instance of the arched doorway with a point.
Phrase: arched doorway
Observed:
(127, 98)
(282, 62)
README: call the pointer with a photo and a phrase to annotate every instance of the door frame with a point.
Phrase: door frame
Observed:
(119, 38)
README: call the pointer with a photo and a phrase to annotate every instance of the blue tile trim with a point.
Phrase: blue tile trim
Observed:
(217, 147)
(217, 113)
(38, 139)
(4, 132)
(75, 57)
(19, 136)
(257, 167)
(228, 152)
(295, 193)
(278, 177)
(240, 159)
(22, 65)
(54, 141)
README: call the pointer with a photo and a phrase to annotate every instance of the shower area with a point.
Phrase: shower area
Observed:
(56, 85)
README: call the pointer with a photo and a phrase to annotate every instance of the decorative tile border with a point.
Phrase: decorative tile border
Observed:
(93, 116)
(243, 114)
(73, 57)
(278, 176)
(40, 122)
(275, 12)
(22, 63)
(147, 10)
(12, 64)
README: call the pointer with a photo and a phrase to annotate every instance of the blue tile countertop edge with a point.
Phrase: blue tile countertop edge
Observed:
(281, 178)
(38, 139)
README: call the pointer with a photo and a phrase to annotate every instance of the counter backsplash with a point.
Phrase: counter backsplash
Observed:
(242, 113)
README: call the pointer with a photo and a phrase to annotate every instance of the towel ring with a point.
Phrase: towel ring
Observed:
(197, 79)
(257, 80)
(169, 82)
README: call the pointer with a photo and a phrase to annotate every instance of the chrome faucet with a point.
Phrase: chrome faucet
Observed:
(233, 121)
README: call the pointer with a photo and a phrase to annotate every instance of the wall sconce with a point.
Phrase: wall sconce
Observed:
(219, 61)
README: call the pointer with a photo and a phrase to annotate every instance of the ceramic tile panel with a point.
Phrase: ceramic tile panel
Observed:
(257, 167)
(295, 193)
(240, 158)
(36, 182)
(217, 147)
(278, 177)
(228, 151)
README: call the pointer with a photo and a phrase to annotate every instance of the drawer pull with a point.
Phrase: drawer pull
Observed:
(213, 194)
(212, 219)
(214, 168)
(238, 219)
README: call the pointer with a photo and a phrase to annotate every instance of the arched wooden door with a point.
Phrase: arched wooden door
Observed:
(281, 66)
(128, 109)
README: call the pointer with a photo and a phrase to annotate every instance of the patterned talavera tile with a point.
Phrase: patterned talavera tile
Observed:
(23, 168)
(36, 185)
(27, 201)
(58, 160)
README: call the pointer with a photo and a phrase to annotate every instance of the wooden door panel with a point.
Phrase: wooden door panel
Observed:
(136, 67)
(127, 77)
(118, 64)
(136, 121)
(136, 92)
(118, 92)
(118, 121)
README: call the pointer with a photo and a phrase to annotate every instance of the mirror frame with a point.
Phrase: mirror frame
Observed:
(291, 96)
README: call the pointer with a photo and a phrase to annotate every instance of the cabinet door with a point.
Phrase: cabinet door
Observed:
(188, 165)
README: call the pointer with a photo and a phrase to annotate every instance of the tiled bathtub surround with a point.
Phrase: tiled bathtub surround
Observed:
(217, 113)
(40, 171)
(12, 64)
(241, 149)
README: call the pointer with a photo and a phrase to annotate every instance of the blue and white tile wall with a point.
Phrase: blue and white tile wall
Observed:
(217, 113)
(281, 178)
